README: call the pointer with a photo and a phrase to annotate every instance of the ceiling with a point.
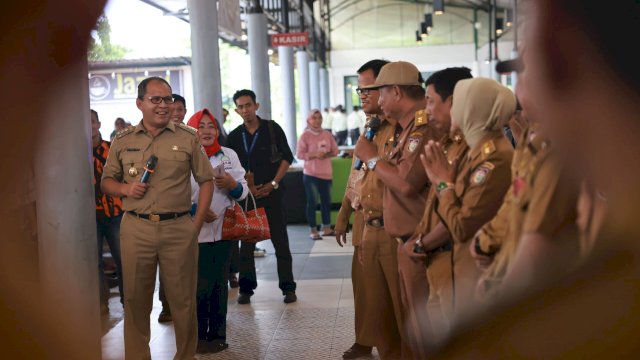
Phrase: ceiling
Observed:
(386, 23)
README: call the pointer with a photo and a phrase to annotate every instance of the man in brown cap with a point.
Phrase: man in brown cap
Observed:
(405, 182)
(378, 308)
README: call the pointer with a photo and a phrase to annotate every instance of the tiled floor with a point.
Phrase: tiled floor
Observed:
(318, 326)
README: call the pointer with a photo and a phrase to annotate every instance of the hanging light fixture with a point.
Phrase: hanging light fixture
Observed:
(418, 37)
(428, 20)
(438, 7)
(499, 26)
(423, 29)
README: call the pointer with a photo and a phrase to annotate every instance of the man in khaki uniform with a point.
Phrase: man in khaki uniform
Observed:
(470, 191)
(156, 228)
(377, 299)
(405, 184)
(431, 232)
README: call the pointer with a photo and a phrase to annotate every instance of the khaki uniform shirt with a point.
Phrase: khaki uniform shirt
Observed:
(403, 212)
(482, 179)
(453, 148)
(179, 154)
(371, 188)
(543, 199)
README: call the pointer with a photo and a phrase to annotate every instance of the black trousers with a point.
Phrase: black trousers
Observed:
(234, 267)
(275, 211)
(341, 137)
(212, 293)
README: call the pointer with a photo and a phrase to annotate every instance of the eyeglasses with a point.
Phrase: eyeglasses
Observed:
(158, 99)
(361, 91)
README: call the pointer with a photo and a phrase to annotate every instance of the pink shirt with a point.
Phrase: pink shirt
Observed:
(310, 142)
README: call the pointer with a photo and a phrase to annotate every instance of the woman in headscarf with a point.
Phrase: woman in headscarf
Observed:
(215, 252)
(316, 146)
(469, 189)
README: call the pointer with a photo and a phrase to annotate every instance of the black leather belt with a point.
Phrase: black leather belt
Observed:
(376, 222)
(446, 247)
(158, 217)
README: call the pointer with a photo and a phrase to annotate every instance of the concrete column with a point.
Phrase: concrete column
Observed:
(303, 83)
(285, 54)
(205, 57)
(324, 88)
(257, 44)
(314, 84)
(65, 207)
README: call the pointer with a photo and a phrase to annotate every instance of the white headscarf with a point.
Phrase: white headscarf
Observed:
(481, 106)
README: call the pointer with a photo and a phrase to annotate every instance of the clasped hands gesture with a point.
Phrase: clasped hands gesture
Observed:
(436, 165)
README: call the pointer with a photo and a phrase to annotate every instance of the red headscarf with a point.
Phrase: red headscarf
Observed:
(194, 122)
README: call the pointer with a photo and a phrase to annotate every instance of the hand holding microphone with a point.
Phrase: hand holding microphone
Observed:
(137, 190)
(372, 129)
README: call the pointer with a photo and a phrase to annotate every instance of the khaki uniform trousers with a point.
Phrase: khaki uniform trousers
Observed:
(363, 332)
(380, 307)
(172, 244)
(440, 305)
(414, 291)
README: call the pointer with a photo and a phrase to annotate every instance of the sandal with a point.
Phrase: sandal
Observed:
(330, 233)
(315, 236)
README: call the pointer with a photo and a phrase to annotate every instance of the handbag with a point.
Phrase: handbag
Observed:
(249, 226)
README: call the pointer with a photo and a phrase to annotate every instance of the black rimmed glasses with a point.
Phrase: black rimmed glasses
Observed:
(361, 91)
(158, 99)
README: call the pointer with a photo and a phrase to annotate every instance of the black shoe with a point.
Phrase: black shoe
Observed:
(356, 350)
(217, 346)
(244, 298)
(165, 316)
(289, 297)
(233, 281)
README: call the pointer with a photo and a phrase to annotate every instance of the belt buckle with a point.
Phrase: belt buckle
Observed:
(154, 217)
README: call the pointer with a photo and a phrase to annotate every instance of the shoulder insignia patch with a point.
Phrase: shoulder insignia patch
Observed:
(488, 148)
(124, 132)
(480, 174)
(415, 138)
(187, 128)
(421, 118)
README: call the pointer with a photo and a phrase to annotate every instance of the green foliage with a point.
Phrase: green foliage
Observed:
(102, 49)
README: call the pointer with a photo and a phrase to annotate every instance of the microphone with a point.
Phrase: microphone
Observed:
(372, 129)
(149, 169)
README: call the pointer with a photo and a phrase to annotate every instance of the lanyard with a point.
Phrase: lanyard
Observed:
(248, 149)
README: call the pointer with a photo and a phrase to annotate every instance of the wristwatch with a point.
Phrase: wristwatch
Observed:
(371, 164)
(275, 185)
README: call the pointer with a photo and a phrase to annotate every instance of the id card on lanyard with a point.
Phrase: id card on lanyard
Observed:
(249, 149)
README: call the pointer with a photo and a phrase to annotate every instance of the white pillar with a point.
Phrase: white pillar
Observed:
(324, 88)
(314, 85)
(303, 83)
(285, 54)
(205, 57)
(65, 206)
(257, 43)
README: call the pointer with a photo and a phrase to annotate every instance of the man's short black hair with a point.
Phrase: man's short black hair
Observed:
(444, 81)
(178, 98)
(413, 92)
(244, 92)
(373, 65)
(96, 114)
(142, 87)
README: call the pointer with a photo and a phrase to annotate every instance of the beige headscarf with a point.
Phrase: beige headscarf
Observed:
(481, 106)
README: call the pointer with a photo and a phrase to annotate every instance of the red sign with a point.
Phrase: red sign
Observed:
(290, 39)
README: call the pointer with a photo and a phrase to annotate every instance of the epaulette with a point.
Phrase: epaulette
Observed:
(488, 148)
(421, 118)
(187, 128)
(124, 132)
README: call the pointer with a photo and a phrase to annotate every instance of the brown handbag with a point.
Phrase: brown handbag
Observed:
(249, 226)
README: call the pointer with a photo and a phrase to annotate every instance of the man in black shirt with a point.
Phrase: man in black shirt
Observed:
(262, 148)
